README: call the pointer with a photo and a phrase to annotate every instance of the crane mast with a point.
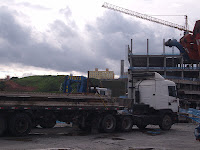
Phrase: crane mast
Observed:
(144, 16)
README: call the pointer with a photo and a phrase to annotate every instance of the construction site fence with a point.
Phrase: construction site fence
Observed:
(194, 114)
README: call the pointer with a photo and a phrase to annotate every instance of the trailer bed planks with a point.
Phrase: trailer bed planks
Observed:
(13, 100)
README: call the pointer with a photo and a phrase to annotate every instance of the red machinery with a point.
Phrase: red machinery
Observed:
(191, 43)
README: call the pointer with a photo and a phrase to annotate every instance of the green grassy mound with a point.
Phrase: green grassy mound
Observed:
(42, 83)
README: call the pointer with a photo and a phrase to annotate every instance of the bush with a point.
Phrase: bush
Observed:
(13, 78)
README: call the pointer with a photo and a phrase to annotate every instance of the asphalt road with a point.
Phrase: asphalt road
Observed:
(63, 137)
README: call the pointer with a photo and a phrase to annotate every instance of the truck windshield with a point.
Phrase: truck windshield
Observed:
(172, 91)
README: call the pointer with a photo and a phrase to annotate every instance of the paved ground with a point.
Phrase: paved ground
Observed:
(181, 136)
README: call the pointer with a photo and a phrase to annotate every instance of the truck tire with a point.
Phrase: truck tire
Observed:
(166, 122)
(3, 125)
(108, 123)
(19, 124)
(34, 124)
(126, 123)
(47, 120)
(47, 123)
(141, 124)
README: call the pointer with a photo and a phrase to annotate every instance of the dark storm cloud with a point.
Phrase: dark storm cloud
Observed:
(10, 30)
(113, 32)
(17, 46)
(103, 41)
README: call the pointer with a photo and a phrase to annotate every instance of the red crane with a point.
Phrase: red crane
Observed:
(189, 45)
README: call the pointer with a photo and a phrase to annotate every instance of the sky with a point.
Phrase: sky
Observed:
(54, 37)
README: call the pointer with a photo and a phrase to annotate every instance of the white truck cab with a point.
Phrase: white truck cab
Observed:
(158, 93)
(154, 100)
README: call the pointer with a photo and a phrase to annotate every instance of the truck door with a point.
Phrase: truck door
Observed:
(161, 95)
(173, 101)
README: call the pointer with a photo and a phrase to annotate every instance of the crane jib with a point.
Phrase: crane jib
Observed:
(144, 16)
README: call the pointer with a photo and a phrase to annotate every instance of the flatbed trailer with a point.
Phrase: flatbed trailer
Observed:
(19, 112)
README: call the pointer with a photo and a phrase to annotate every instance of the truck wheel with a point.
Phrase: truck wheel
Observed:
(34, 124)
(108, 123)
(141, 124)
(20, 124)
(2, 125)
(126, 124)
(166, 123)
(47, 123)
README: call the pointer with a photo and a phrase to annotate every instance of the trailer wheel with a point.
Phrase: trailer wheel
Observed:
(47, 123)
(141, 124)
(34, 124)
(126, 124)
(20, 124)
(108, 123)
(47, 120)
(2, 125)
(166, 122)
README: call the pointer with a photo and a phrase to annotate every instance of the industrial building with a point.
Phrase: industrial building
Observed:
(173, 67)
(101, 74)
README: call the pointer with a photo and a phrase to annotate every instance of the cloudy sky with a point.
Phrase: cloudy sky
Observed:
(41, 37)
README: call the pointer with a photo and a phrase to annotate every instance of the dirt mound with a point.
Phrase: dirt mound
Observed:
(12, 86)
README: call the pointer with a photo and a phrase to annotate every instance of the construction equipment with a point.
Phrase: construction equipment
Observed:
(189, 45)
(81, 86)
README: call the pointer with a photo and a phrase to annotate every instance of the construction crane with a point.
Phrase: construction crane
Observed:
(146, 17)
(189, 45)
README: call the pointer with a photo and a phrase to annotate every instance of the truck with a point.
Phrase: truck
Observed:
(155, 100)
(151, 100)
